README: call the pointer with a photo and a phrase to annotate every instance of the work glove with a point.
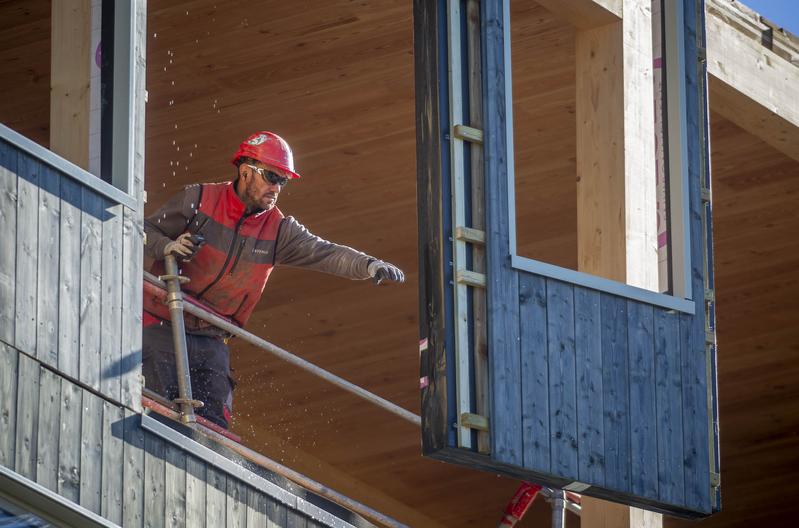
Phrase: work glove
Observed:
(185, 246)
(380, 271)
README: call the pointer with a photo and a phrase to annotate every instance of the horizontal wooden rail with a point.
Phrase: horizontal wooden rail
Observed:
(193, 307)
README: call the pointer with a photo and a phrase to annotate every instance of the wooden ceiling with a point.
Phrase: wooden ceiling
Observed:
(335, 78)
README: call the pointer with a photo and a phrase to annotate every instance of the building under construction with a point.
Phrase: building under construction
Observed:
(592, 201)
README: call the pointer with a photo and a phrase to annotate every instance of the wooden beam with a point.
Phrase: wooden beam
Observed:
(616, 202)
(69, 80)
(616, 207)
(752, 86)
(585, 14)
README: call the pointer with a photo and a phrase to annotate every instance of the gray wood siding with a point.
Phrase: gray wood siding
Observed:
(67, 256)
(78, 443)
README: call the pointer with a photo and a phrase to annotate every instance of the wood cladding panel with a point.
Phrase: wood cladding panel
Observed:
(94, 452)
(65, 238)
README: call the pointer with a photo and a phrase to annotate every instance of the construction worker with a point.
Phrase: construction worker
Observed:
(230, 236)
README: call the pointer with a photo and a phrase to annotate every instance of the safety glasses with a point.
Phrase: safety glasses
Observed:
(270, 176)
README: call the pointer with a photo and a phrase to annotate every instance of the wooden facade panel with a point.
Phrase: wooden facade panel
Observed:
(133, 471)
(91, 232)
(8, 404)
(215, 497)
(27, 416)
(643, 418)
(668, 400)
(590, 421)
(562, 382)
(111, 299)
(296, 520)
(154, 476)
(8, 226)
(502, 292)
(276, 514)
(535, 372)
(130, 359)
(69, 279)
(195, 492)
(69, 441)
(256, 508)
(615, 391)
(91, 452)
(113, 453)
(236, 504)
(28, 170)
(48, 266)
(174, 487)
(49, 429)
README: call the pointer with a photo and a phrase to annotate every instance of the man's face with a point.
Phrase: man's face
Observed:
(257, 191)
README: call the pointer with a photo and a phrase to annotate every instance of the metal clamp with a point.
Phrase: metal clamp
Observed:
(197, 404)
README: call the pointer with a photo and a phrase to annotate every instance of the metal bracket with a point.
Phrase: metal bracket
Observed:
(181, 278)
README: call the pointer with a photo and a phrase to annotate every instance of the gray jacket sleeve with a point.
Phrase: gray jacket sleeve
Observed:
(299, 248)
(170, 220)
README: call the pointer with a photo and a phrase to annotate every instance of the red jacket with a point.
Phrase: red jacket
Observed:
(230, 271)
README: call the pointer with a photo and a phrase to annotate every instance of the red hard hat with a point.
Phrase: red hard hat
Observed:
(268, 148)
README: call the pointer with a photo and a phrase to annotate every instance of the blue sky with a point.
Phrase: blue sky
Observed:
(783, 13)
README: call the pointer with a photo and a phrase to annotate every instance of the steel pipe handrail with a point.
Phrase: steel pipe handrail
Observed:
(196, 310)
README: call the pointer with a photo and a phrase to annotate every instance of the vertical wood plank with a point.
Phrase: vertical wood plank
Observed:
(196, 475)
(615, 392)
(27, 253)
(131, 311)
(49, 428)
(276, 514)
(236, 504)
(503, 284)
(154, 474)
(215, 499)
(69, 442)
(175, 487)
(668, 396)
(588, 350)
(8, 226)
(428, 86)
(111, 313)
(256, 508)
(91, 453)
(90, 287)
(48, 262)
(69, 279)
(692, 328)
(27, 416)
(643, 417)
(562, 383)
(113, 453)
(535, 372)
(296, 519)
(694, 409)
(8, 404)
(133, 471)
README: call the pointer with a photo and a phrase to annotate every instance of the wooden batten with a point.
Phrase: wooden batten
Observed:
(69, 80)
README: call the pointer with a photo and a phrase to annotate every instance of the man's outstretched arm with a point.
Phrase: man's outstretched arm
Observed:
(297, 247)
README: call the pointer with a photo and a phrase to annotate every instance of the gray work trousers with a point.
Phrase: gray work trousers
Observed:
(209, 368)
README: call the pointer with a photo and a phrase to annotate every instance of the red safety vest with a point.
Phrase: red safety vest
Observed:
(229, 273)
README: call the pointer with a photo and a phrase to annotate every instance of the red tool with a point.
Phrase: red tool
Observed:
(519, 504)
